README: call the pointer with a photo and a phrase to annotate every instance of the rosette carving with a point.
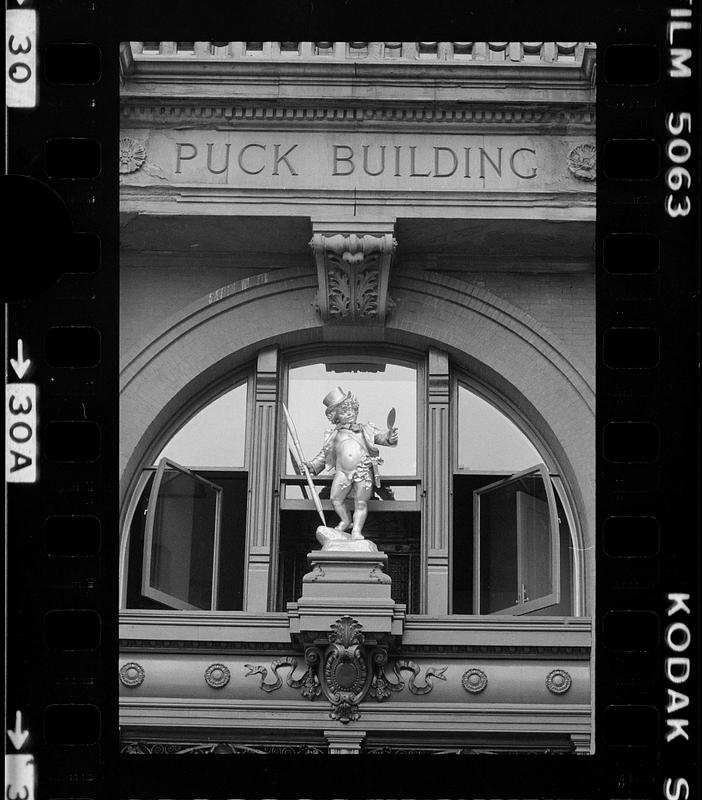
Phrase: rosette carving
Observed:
(131, 674)
(582, 162)
(217, 676)
(558, 681)
(132, 154)
(474, 680)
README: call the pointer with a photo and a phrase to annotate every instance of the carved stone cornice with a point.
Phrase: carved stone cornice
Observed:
(353, 273)
(436, 650)
(498, 651)
(145, 747)
(222, 114)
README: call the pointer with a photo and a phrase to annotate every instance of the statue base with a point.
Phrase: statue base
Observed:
(334, 539)
(345, 582)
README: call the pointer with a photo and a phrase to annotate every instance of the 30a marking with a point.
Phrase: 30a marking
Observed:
(21, 58)
(21, 433)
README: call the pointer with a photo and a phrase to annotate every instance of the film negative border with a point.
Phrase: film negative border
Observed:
(62, 606)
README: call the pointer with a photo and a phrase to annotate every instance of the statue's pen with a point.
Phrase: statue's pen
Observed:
(301, 458)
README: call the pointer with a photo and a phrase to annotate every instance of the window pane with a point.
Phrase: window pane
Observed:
(515, 545)
(487, 440)
(215, 436)
(378, 387)
(498, 550)
(231, 543)
(534, 536)
(183, 541)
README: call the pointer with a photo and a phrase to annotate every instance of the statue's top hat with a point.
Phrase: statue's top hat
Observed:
(335, 398)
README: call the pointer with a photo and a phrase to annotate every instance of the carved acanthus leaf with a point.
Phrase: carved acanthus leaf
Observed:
(353, 275)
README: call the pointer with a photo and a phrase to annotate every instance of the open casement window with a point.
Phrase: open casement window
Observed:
(181, 540)
(516, 544)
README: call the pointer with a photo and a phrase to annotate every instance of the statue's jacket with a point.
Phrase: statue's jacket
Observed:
(371, 436)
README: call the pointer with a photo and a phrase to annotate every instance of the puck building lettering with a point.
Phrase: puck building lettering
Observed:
(409, 225)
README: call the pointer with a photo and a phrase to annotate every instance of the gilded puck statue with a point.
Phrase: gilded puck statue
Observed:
(351, 450)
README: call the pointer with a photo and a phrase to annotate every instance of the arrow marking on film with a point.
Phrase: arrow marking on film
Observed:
(20, 364)
(18, 737)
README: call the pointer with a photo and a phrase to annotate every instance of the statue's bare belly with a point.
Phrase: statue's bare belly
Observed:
(349, 453)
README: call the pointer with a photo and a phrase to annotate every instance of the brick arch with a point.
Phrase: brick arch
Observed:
(496, 342)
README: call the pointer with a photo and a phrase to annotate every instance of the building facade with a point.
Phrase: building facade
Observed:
(414, 222)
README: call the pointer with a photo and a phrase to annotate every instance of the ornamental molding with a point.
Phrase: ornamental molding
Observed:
(436, 650)
(308, 683)
(582, 162)
(498, 651)
(558, 681)
(131, 674)
(353, 273)
(474, 680)
(141, 747)
(217, 676)
(346, 672)
(168, 113)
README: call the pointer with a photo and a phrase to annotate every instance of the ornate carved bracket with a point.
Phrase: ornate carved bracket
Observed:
(353, 274)
(346, 671)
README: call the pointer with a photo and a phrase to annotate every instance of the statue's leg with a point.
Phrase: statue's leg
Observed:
(360, 511)
(339, 491)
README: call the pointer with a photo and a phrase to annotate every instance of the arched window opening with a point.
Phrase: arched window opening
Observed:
(393, 522)
(187, 527)
(512, 544)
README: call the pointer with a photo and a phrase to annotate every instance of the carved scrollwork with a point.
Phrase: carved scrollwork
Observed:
(558, 681)
(217, 676)
(345, 673)
(131, 674)
(308, 683)
(353, 274)
(415, 669)
(382, 687)
(582, 162)
(474, 680)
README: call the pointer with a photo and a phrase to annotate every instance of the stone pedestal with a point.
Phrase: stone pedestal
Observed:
(345, 583)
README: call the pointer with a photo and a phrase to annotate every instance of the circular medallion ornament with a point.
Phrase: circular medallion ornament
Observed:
(558, 681)
(582, 162)
(474, 680)
(132, 154)
(217, 676)
(131, 674)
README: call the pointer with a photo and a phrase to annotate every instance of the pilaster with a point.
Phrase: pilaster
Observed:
(581, 743)
(259, 519)
(438, 590)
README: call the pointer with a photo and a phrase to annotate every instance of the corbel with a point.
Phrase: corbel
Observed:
(353, 273)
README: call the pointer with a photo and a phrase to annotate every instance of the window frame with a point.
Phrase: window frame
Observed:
(147, 589)
(340, 353)
(337, 354)
(242, 376)
(522, 606)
